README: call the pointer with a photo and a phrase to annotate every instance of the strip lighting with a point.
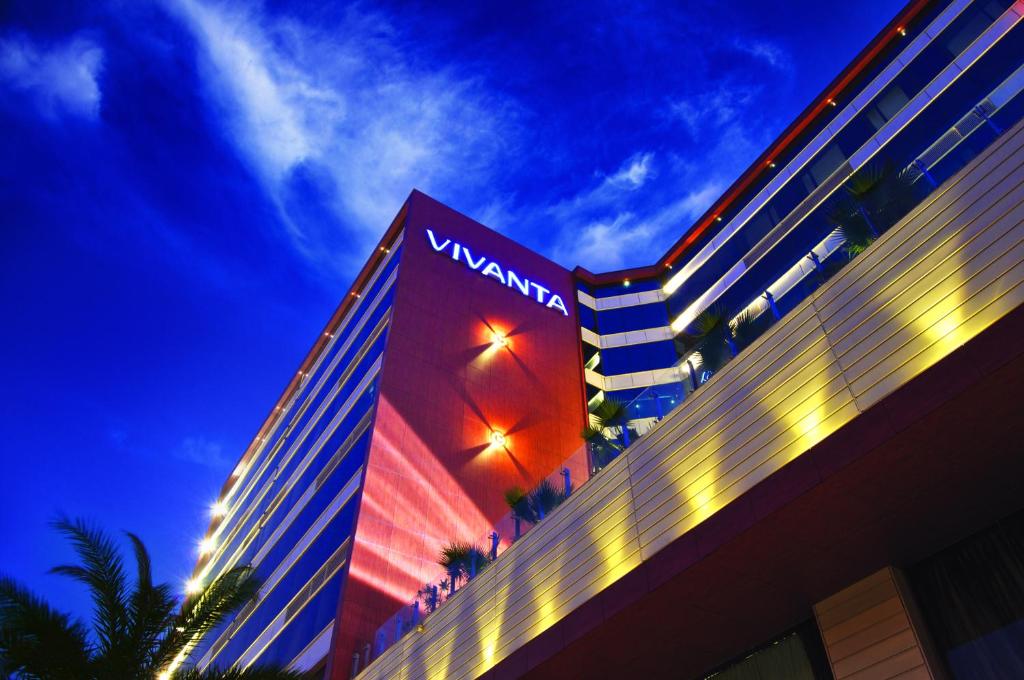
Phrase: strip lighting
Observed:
(880, 82)
(860, 158)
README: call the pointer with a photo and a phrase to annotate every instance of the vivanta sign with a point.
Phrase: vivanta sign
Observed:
(492, 269)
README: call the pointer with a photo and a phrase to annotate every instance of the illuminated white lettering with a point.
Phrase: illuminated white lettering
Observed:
(469, 260)
(556, 303)
(541, 291)
(486, 267)
(433, 242)
(522, 284)
(492, 269)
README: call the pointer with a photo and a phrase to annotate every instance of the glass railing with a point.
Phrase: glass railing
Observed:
(707, 354)
(558, 486)
(914, 182)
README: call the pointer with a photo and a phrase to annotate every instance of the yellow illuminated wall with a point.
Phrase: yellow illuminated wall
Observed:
(934, 281)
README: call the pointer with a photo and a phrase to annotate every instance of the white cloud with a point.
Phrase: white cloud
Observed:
(707, 111)
(203, 451)
(763, 50)
(61, 79)
(339, 121)
(609, 193)
(613, 243)
(620, 223)
(634, 172)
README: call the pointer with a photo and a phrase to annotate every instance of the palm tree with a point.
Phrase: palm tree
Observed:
(745, 328)
(875, 197)
(140, 630)
(462, 561)
(544, 498)
(605, 415)
(518, 502)
(609, 413)
(710, 335)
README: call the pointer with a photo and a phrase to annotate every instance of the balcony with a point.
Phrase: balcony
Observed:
(942, 275)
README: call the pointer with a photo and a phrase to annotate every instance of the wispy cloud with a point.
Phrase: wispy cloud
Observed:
(613, 242)
(619, 224)
(634, 172)
(609, 190)
(202, 451)
(764, 50)
(60, 79)
(704, 113)
(338, 125)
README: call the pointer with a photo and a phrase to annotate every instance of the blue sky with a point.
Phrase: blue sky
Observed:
(187, 187)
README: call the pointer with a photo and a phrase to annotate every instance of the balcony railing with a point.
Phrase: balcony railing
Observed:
(929, 283)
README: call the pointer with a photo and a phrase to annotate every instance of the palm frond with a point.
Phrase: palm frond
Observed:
(608, 413)
(867, 180)
(203, 612)
(707, 334)
(712, 320)
(713, 352)
(518, 501)
(545, 497)
(858, 235)
(745, 328)
(592, 433)
(151, 608)
(36, 641)
(102, 570)
(453, 555)
(462, 559)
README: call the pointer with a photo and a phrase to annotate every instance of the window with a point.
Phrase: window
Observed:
(887, 105)
(972, 598)
(797, 655)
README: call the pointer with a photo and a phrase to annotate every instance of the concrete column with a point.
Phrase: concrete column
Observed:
(872, 631)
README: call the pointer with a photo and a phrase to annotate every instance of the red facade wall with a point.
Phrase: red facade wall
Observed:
(432, 474)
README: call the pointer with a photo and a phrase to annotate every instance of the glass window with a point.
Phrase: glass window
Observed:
(648, 356)
(887, 105)
(830, 158)
(797, 655)
(972, 598)
(963, 36)
(588, 317)
(632, 318)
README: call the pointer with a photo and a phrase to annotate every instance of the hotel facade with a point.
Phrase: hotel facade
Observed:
(790, 448)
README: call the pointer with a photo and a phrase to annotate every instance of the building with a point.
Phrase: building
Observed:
(816, 454)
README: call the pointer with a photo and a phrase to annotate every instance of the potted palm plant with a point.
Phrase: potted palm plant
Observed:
(462, 561)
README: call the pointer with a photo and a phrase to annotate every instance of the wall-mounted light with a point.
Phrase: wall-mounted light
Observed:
(193, 586)
(498, 340)
(218, 509)
(625, 284)
(206, 546)
(497, 439)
